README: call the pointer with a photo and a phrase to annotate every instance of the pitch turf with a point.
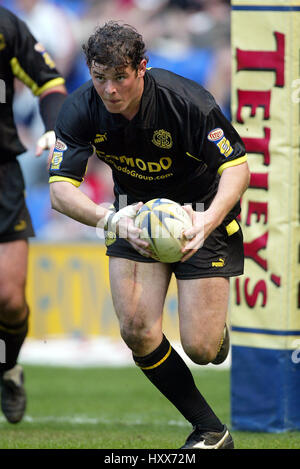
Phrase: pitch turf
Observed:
(116, 408)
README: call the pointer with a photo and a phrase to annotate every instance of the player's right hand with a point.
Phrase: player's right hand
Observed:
(122, 223)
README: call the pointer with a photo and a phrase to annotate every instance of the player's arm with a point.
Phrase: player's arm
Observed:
(223, 151)
(71, 201)
(33, 65)
(233, 183)
(68, 199)
(50, 102)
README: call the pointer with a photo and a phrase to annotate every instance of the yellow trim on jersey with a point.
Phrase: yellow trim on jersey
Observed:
(232, 227)
(158, 363)
(63, 178)
(50, 84)
(188, 154)
(228, 164)
(20, 73)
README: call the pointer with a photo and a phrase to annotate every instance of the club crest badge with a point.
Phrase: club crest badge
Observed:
(162, 139)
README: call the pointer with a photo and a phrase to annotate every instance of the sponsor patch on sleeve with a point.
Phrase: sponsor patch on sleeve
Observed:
(217, 137)
(57, 158)
(60, 145)
(58, 154)
(46, 56)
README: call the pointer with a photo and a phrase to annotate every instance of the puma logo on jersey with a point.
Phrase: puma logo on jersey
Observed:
(100, 138)
(219, 263)
(22, 225)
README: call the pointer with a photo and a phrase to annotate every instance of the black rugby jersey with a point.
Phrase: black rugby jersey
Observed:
(176, 146)
(23, 57)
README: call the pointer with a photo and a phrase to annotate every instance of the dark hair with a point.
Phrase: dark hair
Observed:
(115, 45)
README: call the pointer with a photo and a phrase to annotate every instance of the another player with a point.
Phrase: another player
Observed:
(163, 136)
(22, 57)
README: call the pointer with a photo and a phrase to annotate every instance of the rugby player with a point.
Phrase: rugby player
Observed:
(163, 136)
(22, 57)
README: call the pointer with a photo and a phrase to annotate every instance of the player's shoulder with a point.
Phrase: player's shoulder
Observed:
(82, 97)
(189, 91)
(79, 107)
(13, 29)
(6, 15)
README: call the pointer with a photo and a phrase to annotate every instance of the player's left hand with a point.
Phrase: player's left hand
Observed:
(45, 142)
(201, 229)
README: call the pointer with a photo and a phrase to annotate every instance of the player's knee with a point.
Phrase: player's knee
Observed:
(12, 305)
(199, 353)
(136, 334)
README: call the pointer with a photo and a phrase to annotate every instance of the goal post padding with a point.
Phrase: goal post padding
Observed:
(265, 301)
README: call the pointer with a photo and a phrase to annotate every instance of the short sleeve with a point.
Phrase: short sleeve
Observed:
(220, 144)
(29, 60)
(72, 148)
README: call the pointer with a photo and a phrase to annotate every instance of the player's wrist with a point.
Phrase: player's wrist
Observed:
(108, 221)
(214, 215)
(111, 218)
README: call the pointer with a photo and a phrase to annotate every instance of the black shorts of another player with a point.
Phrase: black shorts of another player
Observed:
(222, 255)
(15, 220)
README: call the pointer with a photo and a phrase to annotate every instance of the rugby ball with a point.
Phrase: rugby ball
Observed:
(163, 222)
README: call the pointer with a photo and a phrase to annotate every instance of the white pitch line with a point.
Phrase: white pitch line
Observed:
(85, 420)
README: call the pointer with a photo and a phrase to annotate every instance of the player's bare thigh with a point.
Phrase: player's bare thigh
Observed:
(13, 271)
(138, 292)
(203, 306)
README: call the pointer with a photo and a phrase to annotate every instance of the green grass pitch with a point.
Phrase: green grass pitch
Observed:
(116, 408)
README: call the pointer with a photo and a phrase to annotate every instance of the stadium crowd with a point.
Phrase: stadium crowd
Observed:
(188, 37)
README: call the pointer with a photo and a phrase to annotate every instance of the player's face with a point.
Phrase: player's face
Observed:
(119, 88)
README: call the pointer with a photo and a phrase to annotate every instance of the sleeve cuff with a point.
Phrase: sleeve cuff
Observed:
(235, 162)
(66, 179)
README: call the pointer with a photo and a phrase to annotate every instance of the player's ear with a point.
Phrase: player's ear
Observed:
(142, 68)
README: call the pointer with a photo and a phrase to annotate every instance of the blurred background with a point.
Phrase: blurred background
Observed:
(189, 37)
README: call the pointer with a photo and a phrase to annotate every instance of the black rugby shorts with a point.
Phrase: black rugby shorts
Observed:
(222, 254)
(15, 221)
